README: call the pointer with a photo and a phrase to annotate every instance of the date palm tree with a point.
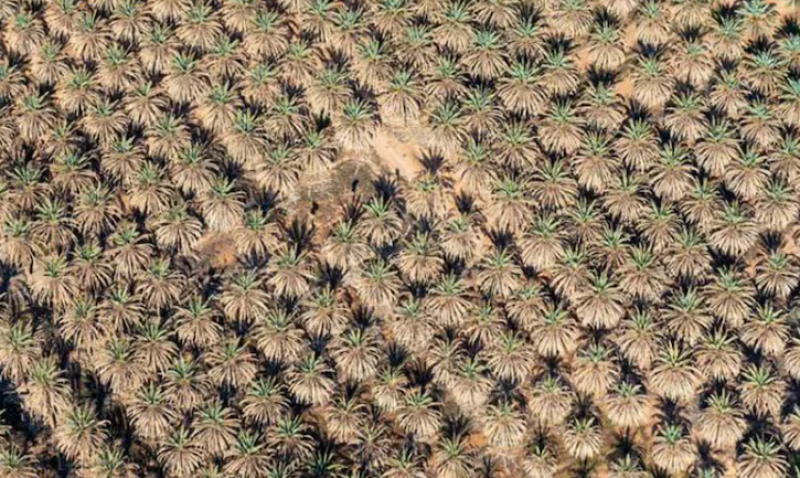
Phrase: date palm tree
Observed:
(762, 459)
(178, 454)
(499, 274)
(628, 407)
(721, 424)
(718, 357)
(674, 376)
(79, 434)
(582, 438)
(761, 390)
(672, 450)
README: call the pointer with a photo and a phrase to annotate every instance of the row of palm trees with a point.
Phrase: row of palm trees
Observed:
(582, 279)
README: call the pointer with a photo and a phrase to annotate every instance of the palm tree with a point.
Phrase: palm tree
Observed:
(392, 17)
(35, 116)
(356, 354)
(595, 166)
(601, 106)
(455, 458)
(499, 274)
(215, 429)
(419, 414)
(277, 337)
(604, 49)
(550, 401)
(571, 277)
(671, 177)
(46, 393)
(48, 64)
(243, 298)
(231, 364)
(672, 450)
(776, 274)
(767, 331)
(790, 429)
(687, 317)
(624, 198)
(185, 385)
(51, 283)
(470, 384)
(324, 312)
(510, 357)
(377, 284)
(762, 459)
(449, 301)
(503, 425)
(150, 414)
(746, 176)
(389, 388)
(627, 407)
(266, 34)
(454, 30)
(734, 232)
(24, 33)
(594, 370)
(264, 402)
(520, 89)
(776, 205)
(718, 356)
(762, 390)
(674, 376)
(178, 454)
(290, 272)
(447, 126)
(556, 329)
(345, 417)
(730, 296)
(485, 59)
(540, 462)
(638, 145)
(721, 424)
(684, 118)
(600, 306)
(542, 247)
(637, 338)
(760, 124)
(79, 434)
(718, 148)
(356, 124)
(247, 457)
(651, 85)
(309, 382)
(177, 229)
(509, 207)
(560, 76)
(582, 438)
(15, 463)
(381, 224)
(692, 62)
(420, 261)
(412, 326)
(462, 239)
(560, 131)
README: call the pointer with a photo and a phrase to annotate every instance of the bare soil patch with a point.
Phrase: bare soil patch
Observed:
(216, 249)
(397, 155)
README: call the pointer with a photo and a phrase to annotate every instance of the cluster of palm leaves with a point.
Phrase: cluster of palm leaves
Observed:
(594, 273)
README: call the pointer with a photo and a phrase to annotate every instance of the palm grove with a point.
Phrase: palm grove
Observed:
(594, 273)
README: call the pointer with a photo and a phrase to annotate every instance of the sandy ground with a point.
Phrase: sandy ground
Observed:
(216, 249)
(396, 155)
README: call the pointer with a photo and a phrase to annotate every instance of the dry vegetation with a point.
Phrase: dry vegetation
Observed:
(399, 238)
